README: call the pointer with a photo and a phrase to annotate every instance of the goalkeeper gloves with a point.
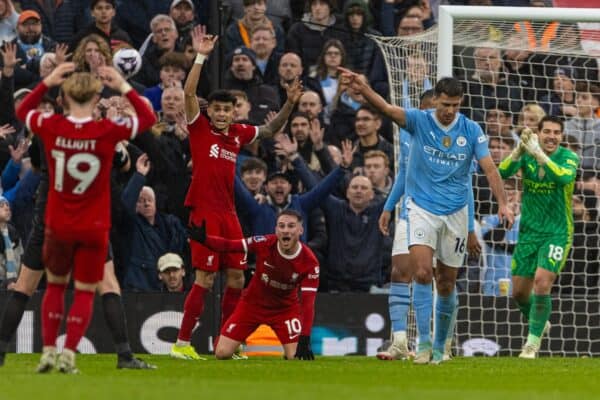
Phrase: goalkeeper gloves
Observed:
(518, 152)
(197, 233)
(303, 351)
(532, 146)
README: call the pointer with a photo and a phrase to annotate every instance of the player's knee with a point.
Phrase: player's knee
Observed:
(205, 279)
(542, 285)
(222, 354)
(444, 288)
(401, 274)
(235, 278)
(423, 275)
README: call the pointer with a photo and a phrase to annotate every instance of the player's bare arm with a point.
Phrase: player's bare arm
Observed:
(360, 83)
(203, 44)
(294, 92)
(493, 177)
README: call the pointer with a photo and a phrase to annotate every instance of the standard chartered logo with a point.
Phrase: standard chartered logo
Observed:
(214, 151)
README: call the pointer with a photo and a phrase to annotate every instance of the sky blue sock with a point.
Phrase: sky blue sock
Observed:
(422, 303)
(444, 308)
(399, 301)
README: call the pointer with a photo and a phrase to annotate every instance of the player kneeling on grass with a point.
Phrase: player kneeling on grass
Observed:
(548, 171)
(283, 265)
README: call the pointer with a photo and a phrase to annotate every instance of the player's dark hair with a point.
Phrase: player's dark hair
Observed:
(450, 86)
(553, 119)
(426, 95)
(299, 114)
(253, 163)
(222, 96)
(370, 109)
(292, 213)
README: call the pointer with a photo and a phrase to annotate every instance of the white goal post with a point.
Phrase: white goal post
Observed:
(449, 14)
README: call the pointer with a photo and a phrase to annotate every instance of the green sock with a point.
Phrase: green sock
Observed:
(525, 307)
(541, 308)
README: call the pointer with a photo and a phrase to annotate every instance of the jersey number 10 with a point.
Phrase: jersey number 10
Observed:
(71, 166)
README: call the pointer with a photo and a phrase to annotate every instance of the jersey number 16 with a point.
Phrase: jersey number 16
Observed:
(71, 166)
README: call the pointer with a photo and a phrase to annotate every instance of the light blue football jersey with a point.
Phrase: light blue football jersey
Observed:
(439, 163)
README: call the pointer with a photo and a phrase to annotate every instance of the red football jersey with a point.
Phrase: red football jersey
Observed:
(213, 163)
(79, 154)
(278, 276)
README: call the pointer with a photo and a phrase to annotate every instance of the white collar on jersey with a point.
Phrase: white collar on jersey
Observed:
(442, 127)
(79, 120)
(289, 256)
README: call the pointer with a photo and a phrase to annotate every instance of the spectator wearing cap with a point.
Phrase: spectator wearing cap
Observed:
(173, 66)
(103, 12)
(182, 12)
(171, 273)
(8, 21)
(560, 101)
(61, 20)
(31, 42)
(242, 75)
(263, 215)
(239, 33)
(149, 234)
(164, 39)
(307, 37)
(11, 248)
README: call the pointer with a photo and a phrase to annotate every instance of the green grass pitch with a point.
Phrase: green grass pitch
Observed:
(328, 378)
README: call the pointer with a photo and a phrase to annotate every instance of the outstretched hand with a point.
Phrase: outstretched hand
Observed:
(197, 233)
(294, 90)
(59, 74)
(202, 42)
(142, 165)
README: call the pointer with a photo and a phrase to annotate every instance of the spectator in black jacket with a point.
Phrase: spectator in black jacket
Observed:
(242, 75)
(262, 41)
(103, 12)
(151, 234)
(164, 38)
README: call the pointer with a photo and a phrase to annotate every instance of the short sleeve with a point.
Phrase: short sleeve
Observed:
(310, 283)
(481, 148)
(38, 122)
(126, 128)
(411, 117)
(246, 133)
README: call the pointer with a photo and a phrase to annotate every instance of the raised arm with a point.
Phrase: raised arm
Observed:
(203, 45)
(359, 83)
(294, 92)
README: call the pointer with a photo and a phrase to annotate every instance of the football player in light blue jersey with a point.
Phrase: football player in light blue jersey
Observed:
(402, 273)
(444, 143)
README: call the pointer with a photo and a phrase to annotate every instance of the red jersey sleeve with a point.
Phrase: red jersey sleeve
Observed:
(222, 245)
(254, 243)
(38, 123)
(246, 133)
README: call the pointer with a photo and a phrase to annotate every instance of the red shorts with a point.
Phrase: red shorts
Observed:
(224, 224)
(246, 318)
(82, 252)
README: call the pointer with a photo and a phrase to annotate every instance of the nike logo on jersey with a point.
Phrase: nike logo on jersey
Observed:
(294, 336)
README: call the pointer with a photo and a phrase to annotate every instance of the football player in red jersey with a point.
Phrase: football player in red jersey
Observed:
(79, 151)
(283, 265)
(215, 142)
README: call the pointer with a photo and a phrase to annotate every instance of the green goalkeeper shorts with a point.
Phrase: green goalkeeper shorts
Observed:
(548, 253)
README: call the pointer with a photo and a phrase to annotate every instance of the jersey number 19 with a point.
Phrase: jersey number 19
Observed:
(71, 165)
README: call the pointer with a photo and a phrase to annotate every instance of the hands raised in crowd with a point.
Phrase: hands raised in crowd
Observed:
(202, 42)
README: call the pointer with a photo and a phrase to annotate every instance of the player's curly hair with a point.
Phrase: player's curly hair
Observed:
(79, 53)
(82, 87)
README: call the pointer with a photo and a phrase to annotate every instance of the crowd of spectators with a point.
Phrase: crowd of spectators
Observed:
(264, 46)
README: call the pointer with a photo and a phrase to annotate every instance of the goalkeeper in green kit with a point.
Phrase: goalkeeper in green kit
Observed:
(548, 173)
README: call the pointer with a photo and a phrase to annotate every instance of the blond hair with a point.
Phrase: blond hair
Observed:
(82, 87)
(79, 53)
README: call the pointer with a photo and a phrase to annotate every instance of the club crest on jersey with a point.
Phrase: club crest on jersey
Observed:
(461, 141)
(257, 239)
(446, 141)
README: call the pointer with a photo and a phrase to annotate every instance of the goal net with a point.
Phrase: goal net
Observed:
(515, 68)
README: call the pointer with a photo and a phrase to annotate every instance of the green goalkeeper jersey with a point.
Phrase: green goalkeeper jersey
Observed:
(546, 207)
